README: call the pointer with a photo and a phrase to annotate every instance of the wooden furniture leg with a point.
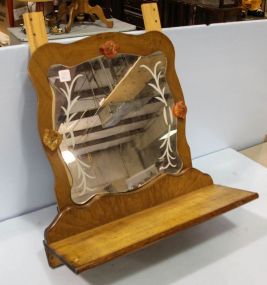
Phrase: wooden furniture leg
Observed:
(98, 11)
(72, 14)
(62, 12)
(35, 28)
(82, 7)
(93, 17)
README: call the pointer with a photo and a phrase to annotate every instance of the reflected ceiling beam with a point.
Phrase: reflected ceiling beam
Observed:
(88, 102)
(94, 121)
(83, 105)
(105, 145)
(107, 132)
(109, 139)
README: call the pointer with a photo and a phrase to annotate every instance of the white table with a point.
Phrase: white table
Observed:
(227, 250)
(77, 30)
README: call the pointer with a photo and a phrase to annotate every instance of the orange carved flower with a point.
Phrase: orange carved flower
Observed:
(109, 49)
(179, 110)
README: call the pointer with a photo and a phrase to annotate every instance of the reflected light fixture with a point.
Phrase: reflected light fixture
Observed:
(68, 156)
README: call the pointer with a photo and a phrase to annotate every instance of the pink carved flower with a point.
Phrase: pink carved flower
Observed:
(109, 49)
(179, 110)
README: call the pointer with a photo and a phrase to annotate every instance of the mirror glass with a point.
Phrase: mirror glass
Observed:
(116, 119)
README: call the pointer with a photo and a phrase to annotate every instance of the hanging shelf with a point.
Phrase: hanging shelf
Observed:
(157, 196)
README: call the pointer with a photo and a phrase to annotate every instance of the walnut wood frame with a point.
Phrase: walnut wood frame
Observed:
(74, 220)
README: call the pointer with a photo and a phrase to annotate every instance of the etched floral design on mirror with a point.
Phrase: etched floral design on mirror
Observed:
(116, 118)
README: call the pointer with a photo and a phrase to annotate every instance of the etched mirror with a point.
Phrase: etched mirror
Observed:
(115, 115)
(111, 114)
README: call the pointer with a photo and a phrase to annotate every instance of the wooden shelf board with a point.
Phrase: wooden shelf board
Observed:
(96, 246)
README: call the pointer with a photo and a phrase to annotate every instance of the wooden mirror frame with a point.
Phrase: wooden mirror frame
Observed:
(161, 207)
(81, 51)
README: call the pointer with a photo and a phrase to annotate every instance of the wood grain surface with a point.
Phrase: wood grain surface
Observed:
(103, 243)
(35, 29)
(106, 208)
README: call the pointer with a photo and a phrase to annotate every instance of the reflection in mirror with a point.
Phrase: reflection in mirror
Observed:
(117, 123)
